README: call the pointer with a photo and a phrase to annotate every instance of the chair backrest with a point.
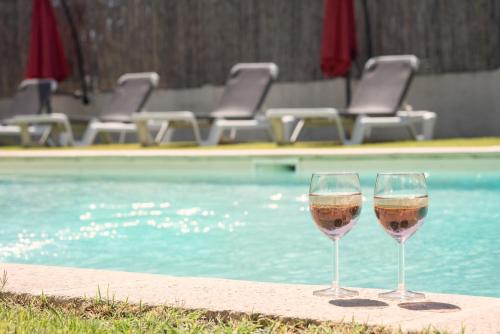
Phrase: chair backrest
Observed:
(383, 85)
(32, 97)
(246, 90)
(130, 96)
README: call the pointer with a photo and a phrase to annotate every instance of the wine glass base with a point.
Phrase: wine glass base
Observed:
(335, 292)
(401, 295)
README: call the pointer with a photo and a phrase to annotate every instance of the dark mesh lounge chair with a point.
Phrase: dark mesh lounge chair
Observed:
(244, 94)
(376, 103)
(31, 105)
(129, 97)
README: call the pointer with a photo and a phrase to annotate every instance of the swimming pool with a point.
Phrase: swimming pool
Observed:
(242, 224)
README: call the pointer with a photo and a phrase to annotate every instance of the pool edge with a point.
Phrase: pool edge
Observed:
(48, 153)
(476, 314)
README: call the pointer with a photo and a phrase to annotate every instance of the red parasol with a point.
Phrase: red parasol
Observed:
(338, 47)
(46, 56)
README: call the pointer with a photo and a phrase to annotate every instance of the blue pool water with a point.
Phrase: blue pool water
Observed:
(246, 226)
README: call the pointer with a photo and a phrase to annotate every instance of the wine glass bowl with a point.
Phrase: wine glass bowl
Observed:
(401, 217)
(335, 215)
(400, 202)
(335, 203)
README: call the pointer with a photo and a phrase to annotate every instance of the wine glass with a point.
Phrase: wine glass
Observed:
(335, 203)
(400, 202)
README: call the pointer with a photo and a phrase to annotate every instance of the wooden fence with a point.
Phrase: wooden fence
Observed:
(194, 42)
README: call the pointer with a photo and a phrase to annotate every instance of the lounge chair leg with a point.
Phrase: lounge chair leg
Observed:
(413, 132)
(196, 132)
(168, 134)
(281, 128)
(67, 138)
(358, 132)
(143, 133)
(25, 135)
(89, 135)
(44, 138)
(63, 134)
(297, 130)
(428, 126)
(340, 130)
(162, 132)
(214, 135)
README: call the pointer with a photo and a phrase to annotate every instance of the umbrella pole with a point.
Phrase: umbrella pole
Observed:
(368, 32)
(78, 51)
(348, 89)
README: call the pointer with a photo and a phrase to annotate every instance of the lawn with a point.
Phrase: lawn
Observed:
(42, 314)
(454, 142)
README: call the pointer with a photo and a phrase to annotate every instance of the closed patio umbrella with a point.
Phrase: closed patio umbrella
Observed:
(339, 44)
(46, 57)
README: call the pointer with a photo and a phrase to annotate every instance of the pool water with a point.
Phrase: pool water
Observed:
(247, 226)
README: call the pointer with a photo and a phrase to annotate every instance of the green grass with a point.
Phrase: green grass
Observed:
(28, 314)
(455, 142)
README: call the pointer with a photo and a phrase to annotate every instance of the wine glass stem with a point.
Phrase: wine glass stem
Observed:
(401, 284)
(336, 279)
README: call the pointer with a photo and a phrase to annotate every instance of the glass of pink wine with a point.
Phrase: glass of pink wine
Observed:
(335, 202)
(400, 202)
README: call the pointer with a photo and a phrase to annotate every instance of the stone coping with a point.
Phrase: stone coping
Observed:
(441, 311)
(61, 153)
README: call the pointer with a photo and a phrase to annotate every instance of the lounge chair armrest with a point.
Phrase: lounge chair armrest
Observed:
(40, 118)
(424, 114)
(302, 112)
(163, 116)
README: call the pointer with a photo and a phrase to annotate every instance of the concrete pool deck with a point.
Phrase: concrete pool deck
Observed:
(278, 152)
(445, 312)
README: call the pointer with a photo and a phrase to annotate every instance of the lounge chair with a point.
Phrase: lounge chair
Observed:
(31, 105)
(244, 94)
(129, 97)
(376, 104)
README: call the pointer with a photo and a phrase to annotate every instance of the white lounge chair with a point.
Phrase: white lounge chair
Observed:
(30, 114)
(167, 121)
(129, 97)
(376, 104)
(245, 91)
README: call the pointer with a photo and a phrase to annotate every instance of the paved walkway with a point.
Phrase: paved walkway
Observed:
(445, 312)
(245, 152)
